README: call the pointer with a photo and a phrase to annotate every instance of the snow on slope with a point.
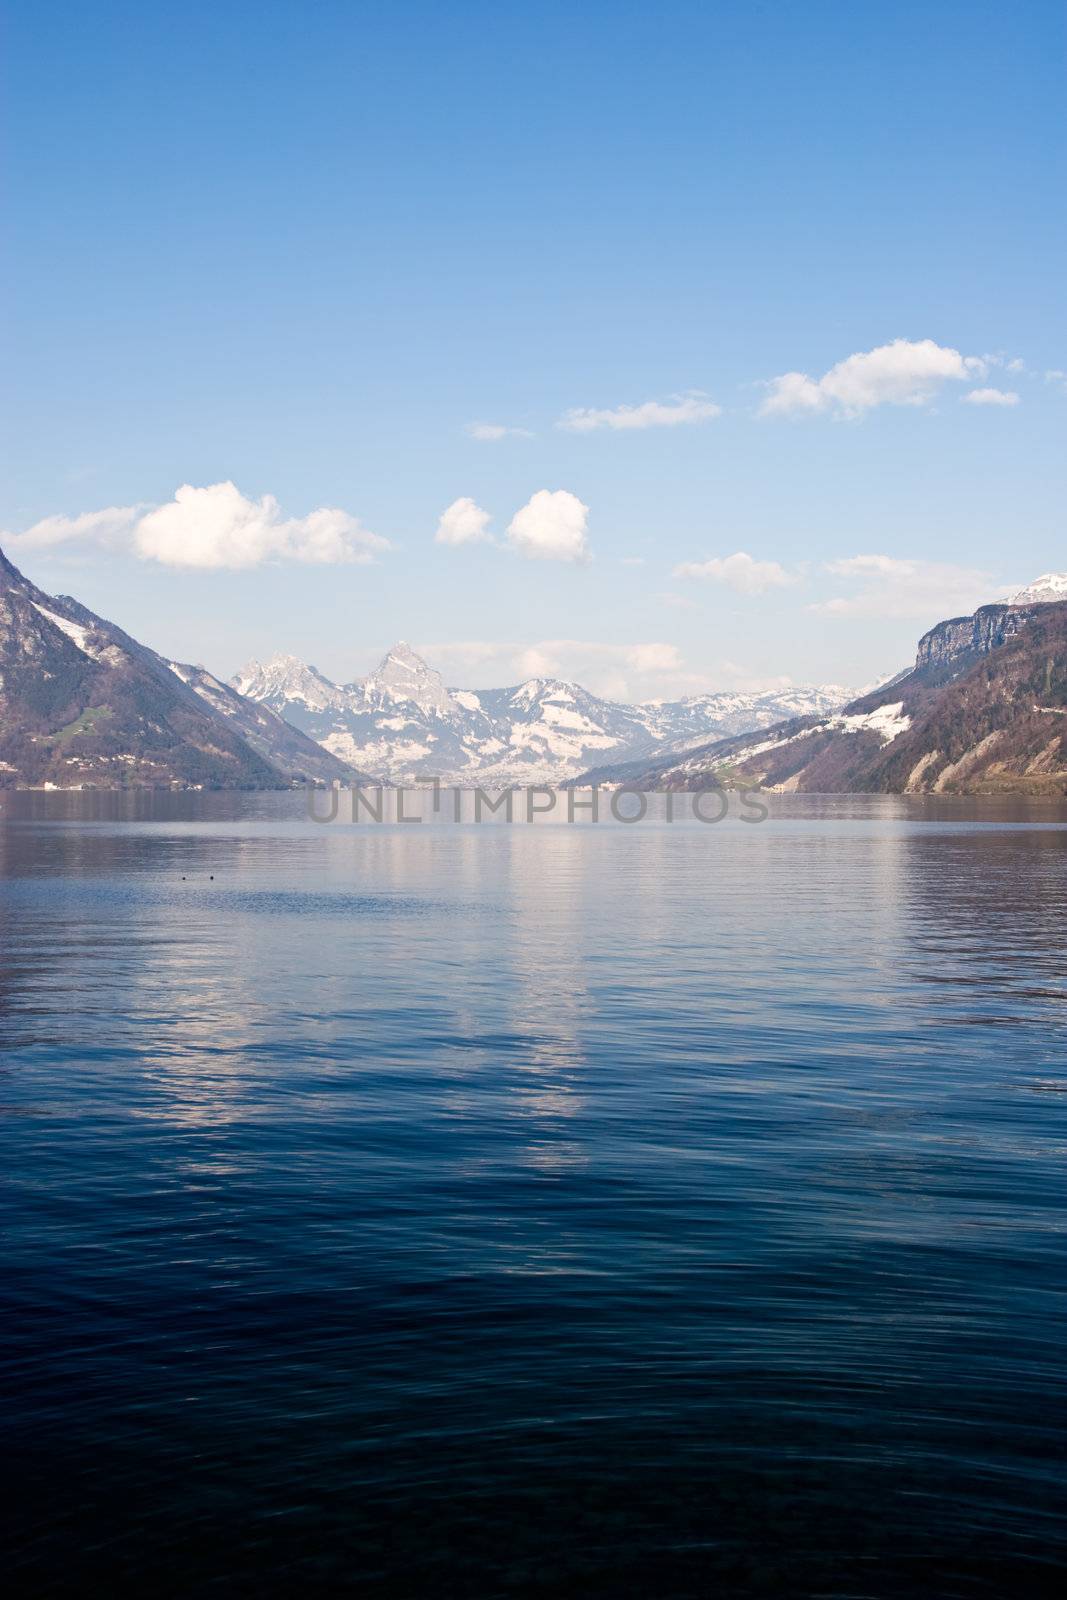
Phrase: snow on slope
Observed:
(75, 632)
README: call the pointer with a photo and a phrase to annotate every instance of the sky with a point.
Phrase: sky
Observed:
(666, 347)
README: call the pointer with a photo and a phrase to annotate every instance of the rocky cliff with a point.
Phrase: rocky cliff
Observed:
(962, 637)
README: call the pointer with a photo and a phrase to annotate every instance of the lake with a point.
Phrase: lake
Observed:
(450, 1210)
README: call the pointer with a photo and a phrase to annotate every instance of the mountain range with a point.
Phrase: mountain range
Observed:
(404, 723)
(982, 711)
(81, 702)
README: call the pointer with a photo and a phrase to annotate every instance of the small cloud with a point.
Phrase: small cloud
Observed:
(990, 397)
(903, 373)
(886, 586)
(551, 526)
(693, 407)
(677, 602)
(631, 561)
(489, 432)
(463, 523)
(1057, 376)
(215, 527)
(739, 571)
(653, 657)
(1006, 363)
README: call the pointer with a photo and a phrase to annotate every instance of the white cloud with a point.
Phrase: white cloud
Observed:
(489, 432)
(107, 527)
(463, 523)
(653, 414)
(632, 561)
(218, 526)
(990, 397)
(926, 591)
(215, 527)
(903, 373)
(739, 571)
(551, 526)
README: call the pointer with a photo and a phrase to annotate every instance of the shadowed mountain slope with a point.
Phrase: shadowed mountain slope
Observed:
(81, 702)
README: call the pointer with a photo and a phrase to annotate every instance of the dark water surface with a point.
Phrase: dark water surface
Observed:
(487, 1211)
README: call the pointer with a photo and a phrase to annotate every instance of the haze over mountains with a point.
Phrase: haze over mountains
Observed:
(404, 723)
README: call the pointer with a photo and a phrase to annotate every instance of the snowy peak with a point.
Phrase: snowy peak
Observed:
(287, 679)
(1047, 589)
(540, 691)
(403, 675)
(403, 659)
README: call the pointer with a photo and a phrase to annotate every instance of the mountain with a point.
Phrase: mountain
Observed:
(680, 724)
(403, 722)
(982, 711)
(1051, 586)
(81, 703)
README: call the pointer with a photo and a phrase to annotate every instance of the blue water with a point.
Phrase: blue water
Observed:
(537, 1210)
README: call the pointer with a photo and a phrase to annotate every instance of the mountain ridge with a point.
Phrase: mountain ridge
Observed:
(84, 703)
(403, 720)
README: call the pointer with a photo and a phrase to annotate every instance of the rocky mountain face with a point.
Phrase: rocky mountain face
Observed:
(983, 711)
(403, 722)
(963, 638)
(82, 703)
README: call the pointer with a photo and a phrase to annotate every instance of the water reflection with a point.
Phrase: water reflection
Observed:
(662, 1208)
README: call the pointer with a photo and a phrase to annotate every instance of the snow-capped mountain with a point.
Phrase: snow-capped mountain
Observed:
(403, 722)
(1047, 589)
(680, 724)
(286, 678)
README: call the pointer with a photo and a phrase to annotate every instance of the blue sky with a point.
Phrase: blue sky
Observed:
(304, 248)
